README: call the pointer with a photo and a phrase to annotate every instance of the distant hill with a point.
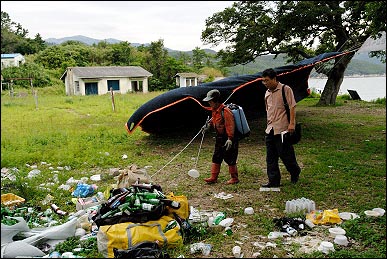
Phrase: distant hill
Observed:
(360, 64)
(91, 41)
(87, 40)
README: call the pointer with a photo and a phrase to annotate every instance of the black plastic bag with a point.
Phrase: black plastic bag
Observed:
(142, 250)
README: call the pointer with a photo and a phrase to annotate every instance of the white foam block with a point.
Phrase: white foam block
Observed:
(266, 189)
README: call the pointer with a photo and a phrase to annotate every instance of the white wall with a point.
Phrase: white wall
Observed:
(15, 62)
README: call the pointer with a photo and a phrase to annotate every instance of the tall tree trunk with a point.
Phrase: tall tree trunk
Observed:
(335, 78)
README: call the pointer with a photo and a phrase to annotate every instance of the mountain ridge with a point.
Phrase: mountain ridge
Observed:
(360, 64)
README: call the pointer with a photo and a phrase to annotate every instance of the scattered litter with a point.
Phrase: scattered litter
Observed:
(341, 240)
(270, 244)
(348, 215)
(33, 173)
(96, 177)
(223, 196)
(226, 222)
(379, 210)
(47, 199)
(266, 189)
(65, 187)
(205, 249)
(336, 231)
(371, 213)
(276, 234)
(299, 205)
(326, 247)
(249, 211)
(236, 251)
(10, 199)
(124, 156)
(324, 217)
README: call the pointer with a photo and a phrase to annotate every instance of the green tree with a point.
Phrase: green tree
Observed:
(14, 38)
(121, 53)
(301, 29)
(198, 58)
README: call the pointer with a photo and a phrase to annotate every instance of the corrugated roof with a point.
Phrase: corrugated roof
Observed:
(10, 55)
(110, 71)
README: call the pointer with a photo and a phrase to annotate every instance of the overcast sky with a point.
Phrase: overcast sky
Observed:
(178, 23)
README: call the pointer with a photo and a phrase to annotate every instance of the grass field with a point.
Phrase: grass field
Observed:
(342, 156)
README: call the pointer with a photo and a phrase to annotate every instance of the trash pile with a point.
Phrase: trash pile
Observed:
(135, 218)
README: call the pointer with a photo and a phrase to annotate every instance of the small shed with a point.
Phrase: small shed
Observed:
(12, 60)
(99, 80)
(186, 79)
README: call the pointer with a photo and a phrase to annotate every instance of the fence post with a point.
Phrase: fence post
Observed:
(112, 94)
(36, 98)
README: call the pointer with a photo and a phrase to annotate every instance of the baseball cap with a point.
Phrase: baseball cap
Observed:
(211, 95)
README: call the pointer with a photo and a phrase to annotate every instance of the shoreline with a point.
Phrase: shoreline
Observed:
(351, 76)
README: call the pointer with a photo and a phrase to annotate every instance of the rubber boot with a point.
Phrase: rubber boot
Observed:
(215, 169)
(234, 174)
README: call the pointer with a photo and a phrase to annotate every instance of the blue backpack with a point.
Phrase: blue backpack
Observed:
(242, 128)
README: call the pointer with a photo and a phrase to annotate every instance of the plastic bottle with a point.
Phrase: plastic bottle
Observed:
(171, 203)
(228, 231)
(147, 206)
(148, 195)
(218, 218)
(170, 225)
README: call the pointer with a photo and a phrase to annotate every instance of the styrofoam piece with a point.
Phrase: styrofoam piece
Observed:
(20, 249)
(193, 173)
(266, 189)
(371, 213)
(336, 231)
(56, 232)
(341, 240)
(8, 232)
(379, 210)
(249, 211)
(348, 215)
(326, 247)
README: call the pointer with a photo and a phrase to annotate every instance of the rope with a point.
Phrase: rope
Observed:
(178, 153)
(200, 147)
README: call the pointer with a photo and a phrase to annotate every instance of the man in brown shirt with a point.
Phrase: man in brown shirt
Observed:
(277, 122)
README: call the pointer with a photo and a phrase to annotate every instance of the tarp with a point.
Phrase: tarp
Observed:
(183, 108)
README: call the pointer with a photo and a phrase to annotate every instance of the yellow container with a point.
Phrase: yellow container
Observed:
(10, 199)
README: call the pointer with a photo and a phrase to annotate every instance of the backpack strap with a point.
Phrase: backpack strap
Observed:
(285, 103)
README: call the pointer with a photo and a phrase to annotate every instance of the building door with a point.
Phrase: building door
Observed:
(91, 88)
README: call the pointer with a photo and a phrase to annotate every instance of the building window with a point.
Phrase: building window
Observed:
(190, 81)
(137, 86)
(115, 84)
(77, 86)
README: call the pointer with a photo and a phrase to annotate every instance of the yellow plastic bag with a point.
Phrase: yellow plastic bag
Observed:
(183, 211)
(128, 234)
(324, 217)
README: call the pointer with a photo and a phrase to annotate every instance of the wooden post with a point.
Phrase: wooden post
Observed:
(11, 88)
(112, 94)
(32, 88)
(36, 98)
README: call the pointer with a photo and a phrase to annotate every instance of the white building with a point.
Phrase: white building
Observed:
(186, 79)
(99, 80)
(12, 60)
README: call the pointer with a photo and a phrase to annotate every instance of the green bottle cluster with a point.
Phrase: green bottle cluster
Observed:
(135, 199)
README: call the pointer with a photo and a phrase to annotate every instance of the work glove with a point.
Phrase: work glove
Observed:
(228, 144)
(205, 128)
